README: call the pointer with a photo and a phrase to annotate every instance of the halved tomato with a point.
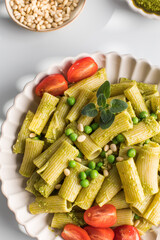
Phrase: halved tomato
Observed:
(81, 69)
(101, 217)
(126, 232)
(100, 233)
(73, 232)
(54, 84)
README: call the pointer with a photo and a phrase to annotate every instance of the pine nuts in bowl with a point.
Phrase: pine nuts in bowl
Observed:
(44, 15)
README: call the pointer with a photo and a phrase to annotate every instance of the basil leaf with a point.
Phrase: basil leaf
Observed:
(108, 124)
(118, 106)
(106, 116)
(101, 100)
(90, 110)
(105, 88)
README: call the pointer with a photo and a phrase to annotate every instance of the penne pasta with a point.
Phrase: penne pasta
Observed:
(119, 201)
(124, 217)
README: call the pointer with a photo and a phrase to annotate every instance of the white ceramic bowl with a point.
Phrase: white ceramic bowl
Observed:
(12, 183)
(141, 11)
(74, 15)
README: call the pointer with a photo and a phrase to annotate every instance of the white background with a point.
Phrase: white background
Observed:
(104, 25)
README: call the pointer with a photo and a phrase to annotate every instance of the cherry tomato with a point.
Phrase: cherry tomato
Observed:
(100, 233)
(73, 232)
(54, 84)
(102, 217)
(81, 69)
(126, 232)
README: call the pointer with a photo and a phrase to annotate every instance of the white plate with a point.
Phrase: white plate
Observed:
(12, 183)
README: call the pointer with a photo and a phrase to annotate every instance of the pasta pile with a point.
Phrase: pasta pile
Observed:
(132, 182)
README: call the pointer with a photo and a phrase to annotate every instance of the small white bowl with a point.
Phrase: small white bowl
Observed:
(74, 15)
(141, 11)
(13, 184)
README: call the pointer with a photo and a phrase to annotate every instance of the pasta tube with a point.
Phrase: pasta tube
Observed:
(119, 201)
(134, 96)
(82, 99)
(140, 208)
(110, 187)
(155, 104)
(53, 204)
(122, 122)
(124, 149)
(152, 214)
(119, 88)
(87, 195)
(143, 226)
(57, 123)
(61, 219)
(47, 154)
(71, 185)
(130, 180)
(144, 130)
(23, 134)
(88, 146)
(45, 189)
(147, 166)
(58, 162)
(124, 217)
(130, 110)
(30, 184)
(92, 83)
(32, 150)
(43, 113)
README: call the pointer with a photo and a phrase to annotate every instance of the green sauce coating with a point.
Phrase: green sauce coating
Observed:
(150, 6)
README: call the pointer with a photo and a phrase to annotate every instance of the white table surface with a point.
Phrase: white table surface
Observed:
(104, 25)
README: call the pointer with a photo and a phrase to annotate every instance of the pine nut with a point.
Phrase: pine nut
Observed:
(58, 186)
(106, 148)
(113, 147)
(119, 159)
(109, 152)
(78, 159)
(105, 173)
(32, 135)
(80, 127)
(81, 138)
(67, 172)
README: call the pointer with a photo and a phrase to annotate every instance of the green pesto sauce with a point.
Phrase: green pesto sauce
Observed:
(150, 6)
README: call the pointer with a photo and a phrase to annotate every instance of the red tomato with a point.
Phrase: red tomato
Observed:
(100, 233)
(126, 232)
(81, 69)
(102, 217)
(54, 84)
(73, 232)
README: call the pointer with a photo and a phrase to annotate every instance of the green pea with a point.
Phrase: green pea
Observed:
(82, 175)
(99, 164)
(147, 141)
(69, 131)
(94, 126)
(88, 172)
(103, 154)
(84, 183)
(92, 165)
(136, 217)
(73, 137)
(36, 138)
(98, 168)
(71, 101)
(131, 153)
(135, 120)
(154, 115)
(72, 164)
(93, 174)
(120, 138)
(143, 114)
(114, 140)
(87, 129)
(111, 159)
(80, 154)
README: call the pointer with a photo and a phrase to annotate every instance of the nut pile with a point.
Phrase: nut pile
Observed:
(43, 14)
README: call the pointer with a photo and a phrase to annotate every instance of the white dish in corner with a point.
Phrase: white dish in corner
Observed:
(12, 183)
(141, 11)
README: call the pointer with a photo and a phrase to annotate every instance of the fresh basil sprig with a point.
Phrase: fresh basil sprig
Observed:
(107, 111)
